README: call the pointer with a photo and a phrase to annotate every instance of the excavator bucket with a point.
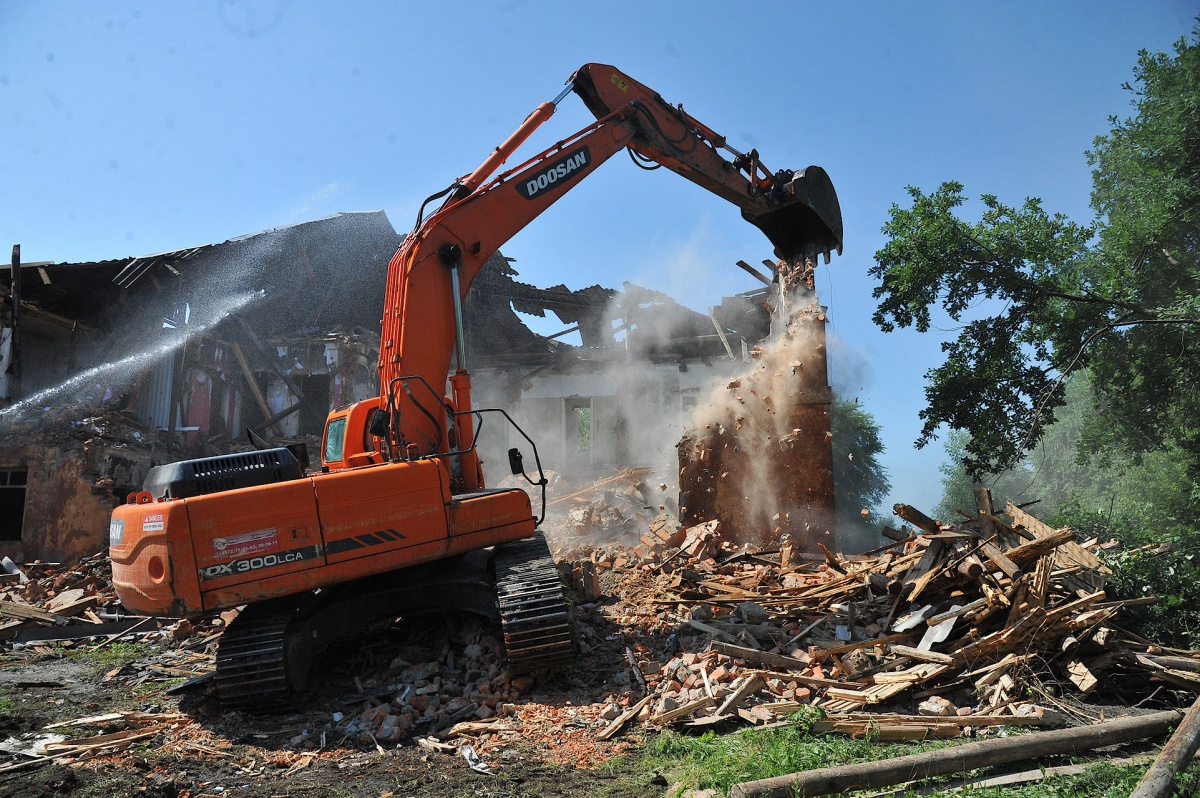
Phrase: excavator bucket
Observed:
(808, 220)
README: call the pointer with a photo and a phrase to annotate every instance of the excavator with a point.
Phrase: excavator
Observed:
(398, 519)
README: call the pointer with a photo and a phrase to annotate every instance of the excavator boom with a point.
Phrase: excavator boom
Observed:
(797, 211)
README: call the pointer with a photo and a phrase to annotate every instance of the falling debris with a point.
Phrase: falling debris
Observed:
(758, 457)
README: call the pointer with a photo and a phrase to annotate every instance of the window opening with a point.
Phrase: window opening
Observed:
(12, 502)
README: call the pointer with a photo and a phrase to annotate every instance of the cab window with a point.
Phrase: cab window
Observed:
(335, 436)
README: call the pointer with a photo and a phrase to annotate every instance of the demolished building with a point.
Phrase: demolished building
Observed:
(128, 363)
(621, 397)
(124, 364)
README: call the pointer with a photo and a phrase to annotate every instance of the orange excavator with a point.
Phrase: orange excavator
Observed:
(398, 519)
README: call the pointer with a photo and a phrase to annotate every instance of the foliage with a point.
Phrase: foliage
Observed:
(1039, 296)
(1174, 577)
(1139, 571)
(958, 486)
(860, 480)
(1139, 498)
(997, 382)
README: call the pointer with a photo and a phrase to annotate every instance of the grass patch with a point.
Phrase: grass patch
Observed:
(112, 655)
(6, 705)
(713, 761)
(155, 687)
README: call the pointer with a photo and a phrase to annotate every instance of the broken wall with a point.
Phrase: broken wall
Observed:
(622, 412)
(69, 494)
(759, 458)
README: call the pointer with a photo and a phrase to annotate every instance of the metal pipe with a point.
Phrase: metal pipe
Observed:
(460, 351)
(14, 344)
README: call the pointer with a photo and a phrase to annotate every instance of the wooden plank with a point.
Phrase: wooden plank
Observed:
(1083, 678)
(878, 641)
(956, 611)
(854, 696)
(813, 681)
(758, 657)
(25, 612)
(1028, 551)
(917, 518)
(684, 711)
(626, 716)
(73, 609)
(920, 655)
(752, 684)
(1071, 552)
(897, 677)
(251, 381)
(1000, 562)
(700, 626)
(919, 574)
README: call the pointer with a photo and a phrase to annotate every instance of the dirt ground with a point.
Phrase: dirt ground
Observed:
(210, 752)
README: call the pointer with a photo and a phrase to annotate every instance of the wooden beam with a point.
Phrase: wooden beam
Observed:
(251, 382)
(758, 657)
(959, 758)
(1174, 758)
(27, 613)
(622, 719)
(753, 272)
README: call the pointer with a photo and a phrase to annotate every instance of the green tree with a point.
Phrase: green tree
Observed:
(1011, 485)
(1140, 497)
(860, 480)
(1039, 296)
(1111, 493)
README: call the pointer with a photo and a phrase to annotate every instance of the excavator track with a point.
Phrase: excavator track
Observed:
(532, 611)
(258, 665)
(265, 653)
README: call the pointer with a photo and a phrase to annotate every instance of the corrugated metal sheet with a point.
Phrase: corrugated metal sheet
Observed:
(154, 399)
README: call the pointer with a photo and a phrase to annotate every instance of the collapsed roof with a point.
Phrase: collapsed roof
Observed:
(639, 320)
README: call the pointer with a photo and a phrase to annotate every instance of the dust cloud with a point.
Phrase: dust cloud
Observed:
(758, 455)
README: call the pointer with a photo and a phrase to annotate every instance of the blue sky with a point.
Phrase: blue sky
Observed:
(128, 128)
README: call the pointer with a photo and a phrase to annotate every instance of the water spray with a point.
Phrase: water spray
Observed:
(127, 367)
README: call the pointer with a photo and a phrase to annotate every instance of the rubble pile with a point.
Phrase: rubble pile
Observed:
(954, 628)
(617, 512)
(980, 623)
(449, 672)
(40, 594)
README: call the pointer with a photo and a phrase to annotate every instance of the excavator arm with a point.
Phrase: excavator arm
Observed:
(798, 211)
(431, 272)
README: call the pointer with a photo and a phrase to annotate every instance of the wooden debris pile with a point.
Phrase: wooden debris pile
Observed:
(952, 629)
(47, 594)
(972, 624)
(49, 605)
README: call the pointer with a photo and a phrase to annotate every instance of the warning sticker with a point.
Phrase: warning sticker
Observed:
(259, 540)
(153, 523)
